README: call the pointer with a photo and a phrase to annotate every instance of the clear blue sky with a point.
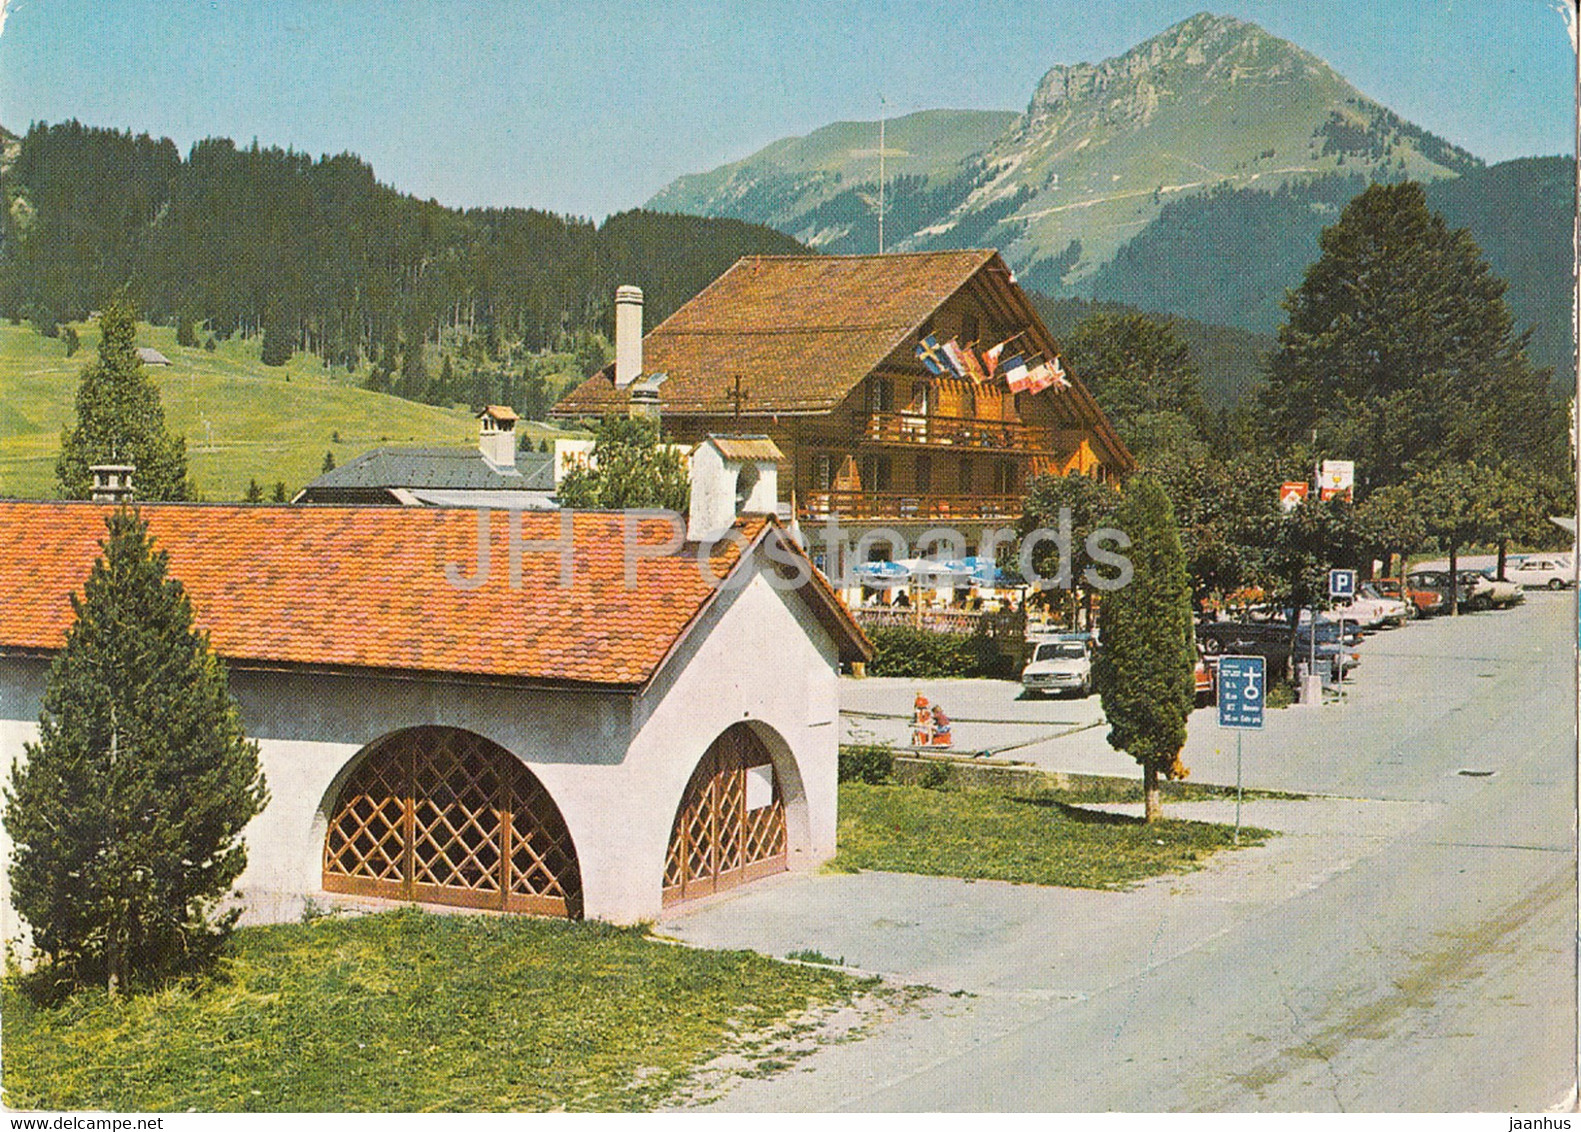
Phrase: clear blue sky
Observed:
(590, 107)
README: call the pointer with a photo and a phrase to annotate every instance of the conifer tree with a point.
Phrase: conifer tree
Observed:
(254, 491)
(128, 812)
(279, 492)
(329, 463)
(1144, 669)
(120, 420)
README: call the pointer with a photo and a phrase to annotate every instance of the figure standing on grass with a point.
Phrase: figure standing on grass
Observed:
(921, 722)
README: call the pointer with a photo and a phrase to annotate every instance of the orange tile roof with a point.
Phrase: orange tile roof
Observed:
(802, 330)
(365, 587)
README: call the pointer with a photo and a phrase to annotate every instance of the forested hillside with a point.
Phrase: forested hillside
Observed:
(1228, 256)
(1230, 360)
(316, 254)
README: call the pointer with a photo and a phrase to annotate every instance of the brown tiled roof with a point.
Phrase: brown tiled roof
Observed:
(801, 331)
(365, 587)
(499, 413)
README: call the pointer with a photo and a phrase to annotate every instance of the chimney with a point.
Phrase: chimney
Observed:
(628, 336)
(112, 483)
(731, 476)
(497, 437)
(644, 400)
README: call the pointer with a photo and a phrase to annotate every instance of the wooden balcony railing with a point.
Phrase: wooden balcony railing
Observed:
(909, 505)
(967, 432)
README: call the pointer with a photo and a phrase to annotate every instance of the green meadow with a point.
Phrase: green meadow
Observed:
(242, 420)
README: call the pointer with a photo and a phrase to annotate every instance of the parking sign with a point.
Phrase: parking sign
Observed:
(1241, 687)
(1342, 583)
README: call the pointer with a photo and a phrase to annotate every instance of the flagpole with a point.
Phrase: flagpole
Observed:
(883, 115)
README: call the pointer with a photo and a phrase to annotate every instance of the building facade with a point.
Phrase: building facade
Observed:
(584, 716)
(820, 353)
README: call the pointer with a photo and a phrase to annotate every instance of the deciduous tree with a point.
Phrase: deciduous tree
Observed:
(630, 468)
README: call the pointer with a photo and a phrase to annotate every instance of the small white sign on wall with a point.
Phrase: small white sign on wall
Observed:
(760, 786)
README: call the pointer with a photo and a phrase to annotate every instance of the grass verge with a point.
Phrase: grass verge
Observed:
(1030, 838)
(408, 1011)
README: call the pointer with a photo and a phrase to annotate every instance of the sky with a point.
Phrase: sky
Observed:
(590, 107)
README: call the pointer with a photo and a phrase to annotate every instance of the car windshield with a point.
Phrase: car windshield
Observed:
(1061, 650)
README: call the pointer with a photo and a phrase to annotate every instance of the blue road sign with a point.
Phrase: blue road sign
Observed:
(1342, 583)
(1241, 688)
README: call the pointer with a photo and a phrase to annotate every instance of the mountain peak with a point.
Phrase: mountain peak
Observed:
(1205, 48)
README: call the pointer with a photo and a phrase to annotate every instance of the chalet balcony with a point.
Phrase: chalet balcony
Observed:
(909, 506)
(962, 432)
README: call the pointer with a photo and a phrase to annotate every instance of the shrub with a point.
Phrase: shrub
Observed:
(867, 762)
(904, 651)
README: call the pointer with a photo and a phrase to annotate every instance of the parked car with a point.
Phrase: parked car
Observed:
(1470, 596)
(1207, 677)
(1504, 593)
(1386, 612)
(1543, 571)
(1060, 665)
(1424, 603)
(1267, 639)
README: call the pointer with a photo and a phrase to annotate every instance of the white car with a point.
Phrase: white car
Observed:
(1372, 610)
(1059, 666)
(1543, 571)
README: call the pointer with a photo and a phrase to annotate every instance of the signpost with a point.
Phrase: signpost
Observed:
(1241, 695)
(1342, 583)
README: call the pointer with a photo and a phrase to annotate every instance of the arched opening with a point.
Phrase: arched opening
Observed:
(730, 826)
(439, 815)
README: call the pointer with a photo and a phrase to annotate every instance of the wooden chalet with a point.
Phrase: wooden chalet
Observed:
(819, 353)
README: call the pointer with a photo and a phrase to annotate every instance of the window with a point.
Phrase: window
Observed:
(966, 476)
(876, 473)
(924, 475)
(1004, 478)
(822, 471)
(880, 395)
(919, 397)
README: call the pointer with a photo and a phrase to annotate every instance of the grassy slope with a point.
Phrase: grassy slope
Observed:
(409, 1011)
(931, 143)
(259, 423)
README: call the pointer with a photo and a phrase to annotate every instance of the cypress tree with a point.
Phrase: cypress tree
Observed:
(127, 814)
(1144, 667)
(120, 420)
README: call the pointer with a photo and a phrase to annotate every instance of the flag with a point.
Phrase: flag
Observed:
(974, 367)
(952, 355)
(1041, 377)
(1015, 371)
(1060, 380)
(930, 355)
(991, 356)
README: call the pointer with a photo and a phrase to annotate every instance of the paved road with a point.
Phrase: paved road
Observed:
(1408, 945)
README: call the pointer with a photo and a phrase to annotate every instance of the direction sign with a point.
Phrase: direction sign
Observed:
(1342, 583)
(1241, 687)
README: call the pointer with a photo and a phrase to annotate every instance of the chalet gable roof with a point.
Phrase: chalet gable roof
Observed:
(801, 331)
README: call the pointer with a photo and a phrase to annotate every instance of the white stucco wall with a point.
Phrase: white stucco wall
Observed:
(615, 764)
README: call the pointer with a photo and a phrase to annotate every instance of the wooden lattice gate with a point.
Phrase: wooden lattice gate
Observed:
(730, 827)
(443, 816)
